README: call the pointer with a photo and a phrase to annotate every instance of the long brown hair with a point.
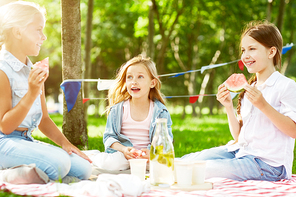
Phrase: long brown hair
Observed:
(119, 91)
(269, 36)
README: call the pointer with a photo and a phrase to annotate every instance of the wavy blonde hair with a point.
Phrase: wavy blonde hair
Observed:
(119, 91)
(17, 14)
(269, 36)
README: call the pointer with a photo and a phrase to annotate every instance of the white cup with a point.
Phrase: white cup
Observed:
(138, 167)
(184, 171)
(176, 160)
(199, 172)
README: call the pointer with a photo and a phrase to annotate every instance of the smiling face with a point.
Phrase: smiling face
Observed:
(256, 57)
(139, 81)
(32, 37)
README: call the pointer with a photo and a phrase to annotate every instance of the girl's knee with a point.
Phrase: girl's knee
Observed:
(80, 167)
(111, 161)
(84, 171)
(58, 168)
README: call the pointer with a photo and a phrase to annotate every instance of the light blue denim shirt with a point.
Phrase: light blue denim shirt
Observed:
(113, 127)
(18, 74)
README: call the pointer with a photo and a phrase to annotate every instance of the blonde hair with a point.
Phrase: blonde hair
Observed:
(119, 91)
(269, 36)
(17, 14)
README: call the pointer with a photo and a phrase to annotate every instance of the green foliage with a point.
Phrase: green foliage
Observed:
(120, 31)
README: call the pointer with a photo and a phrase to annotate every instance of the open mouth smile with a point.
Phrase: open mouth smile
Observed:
(248, 64)
(135, 89)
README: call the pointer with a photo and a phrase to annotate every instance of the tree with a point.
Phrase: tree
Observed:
(87, 58)
(74, 126)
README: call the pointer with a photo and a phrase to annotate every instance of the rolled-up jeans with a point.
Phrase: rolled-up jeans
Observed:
(20, 148)
(221, 163)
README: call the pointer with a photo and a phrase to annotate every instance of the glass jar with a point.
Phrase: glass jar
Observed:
(161, 156)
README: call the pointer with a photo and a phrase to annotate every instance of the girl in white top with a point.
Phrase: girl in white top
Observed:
(264, 128)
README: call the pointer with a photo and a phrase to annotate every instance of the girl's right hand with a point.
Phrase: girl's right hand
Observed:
(223, 96)
(129, 153)
(37, 77)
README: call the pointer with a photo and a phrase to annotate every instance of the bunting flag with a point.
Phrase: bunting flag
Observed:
(71, 90)
(85, 100)
(171, 75)
(71, 87)
(241, 65)
(215, 66)
(287, 48)
(105, 84)
(193, 99)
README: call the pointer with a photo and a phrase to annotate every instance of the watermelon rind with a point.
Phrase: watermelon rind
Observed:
(235, 90)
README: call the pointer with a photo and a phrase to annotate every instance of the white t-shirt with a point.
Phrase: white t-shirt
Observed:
(258, 135)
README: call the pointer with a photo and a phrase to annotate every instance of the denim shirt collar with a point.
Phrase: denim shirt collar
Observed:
(13, 62)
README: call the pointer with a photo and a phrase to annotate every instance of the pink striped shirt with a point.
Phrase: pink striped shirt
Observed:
(136, 131)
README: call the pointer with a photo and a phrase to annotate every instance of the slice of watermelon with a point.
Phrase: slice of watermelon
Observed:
(236, 82)
(43, 64)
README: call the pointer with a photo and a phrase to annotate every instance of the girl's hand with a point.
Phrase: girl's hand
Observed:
(145, 154)
(36, 79)
(70, 148)
(255, 96)
(129, 152)
(223, 96)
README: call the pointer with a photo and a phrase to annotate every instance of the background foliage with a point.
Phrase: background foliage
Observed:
(188, 34)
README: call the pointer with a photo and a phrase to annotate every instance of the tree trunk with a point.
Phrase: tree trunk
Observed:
(281, 15)
(151, 32)
(269, 10)
(291, 19)
(165, 37)
(74, 126)
(87, 58)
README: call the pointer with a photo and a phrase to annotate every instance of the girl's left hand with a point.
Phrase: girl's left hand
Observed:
(145, 154)
(254, 96)
(70, 148)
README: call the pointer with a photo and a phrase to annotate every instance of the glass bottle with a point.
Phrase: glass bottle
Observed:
(161, 156)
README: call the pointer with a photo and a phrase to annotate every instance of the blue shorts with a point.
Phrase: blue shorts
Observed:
(221, 163)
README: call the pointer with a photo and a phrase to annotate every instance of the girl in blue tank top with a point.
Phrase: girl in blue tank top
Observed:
(22, 99)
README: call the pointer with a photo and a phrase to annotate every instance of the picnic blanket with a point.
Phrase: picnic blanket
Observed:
(221, 187)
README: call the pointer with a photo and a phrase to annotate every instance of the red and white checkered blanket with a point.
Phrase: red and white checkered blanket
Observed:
(221, 187)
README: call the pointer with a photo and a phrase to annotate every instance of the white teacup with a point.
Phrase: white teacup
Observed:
(138, 167)
(199, 172)
(184, 171)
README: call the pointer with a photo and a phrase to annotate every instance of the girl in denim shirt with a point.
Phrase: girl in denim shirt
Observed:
(135, 102)
(22, 99)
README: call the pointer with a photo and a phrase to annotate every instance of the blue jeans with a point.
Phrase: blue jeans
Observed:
(221, 163)
(20, 148)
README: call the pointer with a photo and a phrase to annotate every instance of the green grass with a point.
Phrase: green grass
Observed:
(190, 134)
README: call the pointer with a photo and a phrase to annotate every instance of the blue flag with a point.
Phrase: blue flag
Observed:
(71, 90)
(286, 48)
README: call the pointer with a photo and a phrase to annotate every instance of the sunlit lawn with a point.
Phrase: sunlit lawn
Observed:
(190, 134)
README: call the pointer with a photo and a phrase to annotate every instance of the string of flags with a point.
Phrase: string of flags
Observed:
(71, 87)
